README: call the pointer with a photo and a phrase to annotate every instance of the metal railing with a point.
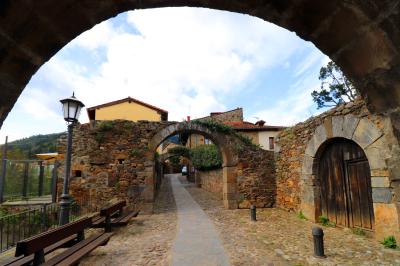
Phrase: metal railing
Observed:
(18, 226)
(24, 179)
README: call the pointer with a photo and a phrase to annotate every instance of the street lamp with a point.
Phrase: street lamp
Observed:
(71, 108)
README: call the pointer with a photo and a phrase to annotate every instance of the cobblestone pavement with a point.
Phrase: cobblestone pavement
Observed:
(281, 238)
(147, 240)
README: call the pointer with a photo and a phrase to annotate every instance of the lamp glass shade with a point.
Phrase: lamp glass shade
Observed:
(71, 109)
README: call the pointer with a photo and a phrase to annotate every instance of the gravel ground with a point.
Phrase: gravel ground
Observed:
(147, 240)
(281, 238)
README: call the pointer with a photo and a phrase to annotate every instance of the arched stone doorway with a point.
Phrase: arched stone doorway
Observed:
(224, 143)
(360, 36)
(375, 143)
(345, 181)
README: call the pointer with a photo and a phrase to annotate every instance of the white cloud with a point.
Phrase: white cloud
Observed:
(188, 61)
(98, 36)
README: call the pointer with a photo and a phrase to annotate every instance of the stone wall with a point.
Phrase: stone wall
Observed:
(235, 115)
(297, 181)
(111, 160)
(210, 181)
(256, 178)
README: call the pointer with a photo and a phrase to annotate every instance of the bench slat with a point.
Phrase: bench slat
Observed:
(124, 220)
(113, 208)
(24, 260)
(78, 251)
(39, 242)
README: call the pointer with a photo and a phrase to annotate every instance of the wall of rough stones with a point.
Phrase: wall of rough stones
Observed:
(210, 181)
(297, 183)
(109, 161)
(235, 115)
(256, 178)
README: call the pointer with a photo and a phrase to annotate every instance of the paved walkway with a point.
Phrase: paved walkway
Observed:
(197, 241)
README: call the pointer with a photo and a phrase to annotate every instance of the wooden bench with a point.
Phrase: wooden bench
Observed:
(114, 216)
(32, 251)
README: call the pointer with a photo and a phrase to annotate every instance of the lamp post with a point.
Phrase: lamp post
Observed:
(71, 108)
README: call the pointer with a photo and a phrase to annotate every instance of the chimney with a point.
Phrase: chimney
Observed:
(260, 123)
(188, 118)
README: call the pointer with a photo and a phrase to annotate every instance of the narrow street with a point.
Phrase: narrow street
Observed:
(190, 226)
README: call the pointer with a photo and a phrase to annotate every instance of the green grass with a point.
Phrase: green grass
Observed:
(325, 221)
(389, 242)
(301, 216)
(358, 231)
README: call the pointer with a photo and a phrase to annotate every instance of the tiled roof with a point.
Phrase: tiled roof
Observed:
(250, 126)
(128, 99)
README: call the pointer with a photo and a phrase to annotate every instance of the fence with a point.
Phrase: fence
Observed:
(15, 227)
(27, 178)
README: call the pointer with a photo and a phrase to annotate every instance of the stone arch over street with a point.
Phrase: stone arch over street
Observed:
(222, 141)
(371, 140)
(360, 36)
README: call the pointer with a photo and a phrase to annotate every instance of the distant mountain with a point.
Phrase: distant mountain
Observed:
(26, 148)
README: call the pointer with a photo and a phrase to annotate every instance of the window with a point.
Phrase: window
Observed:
(77, 173)
(271, 143)
(207, 141)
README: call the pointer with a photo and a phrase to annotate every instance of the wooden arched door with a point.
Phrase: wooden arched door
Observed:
(344, 175)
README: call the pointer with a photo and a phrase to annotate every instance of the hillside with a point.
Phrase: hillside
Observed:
(26, 148)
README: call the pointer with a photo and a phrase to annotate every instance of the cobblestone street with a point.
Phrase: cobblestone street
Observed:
(146, 241)
(277, 238)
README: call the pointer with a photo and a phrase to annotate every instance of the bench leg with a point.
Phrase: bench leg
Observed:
(107, 227)
(38, 258)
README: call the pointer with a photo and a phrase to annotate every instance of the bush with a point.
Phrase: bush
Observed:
(206, 157)
(389, 242)
(180, 151)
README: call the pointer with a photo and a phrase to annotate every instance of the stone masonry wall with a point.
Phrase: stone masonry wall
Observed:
(235, 115)
(294, 140)
(109, 161)
(256, 178)
(210, 181)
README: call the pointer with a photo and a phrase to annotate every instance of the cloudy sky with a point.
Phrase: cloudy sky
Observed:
(189, 61)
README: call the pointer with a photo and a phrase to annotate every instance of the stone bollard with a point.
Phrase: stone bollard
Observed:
(318, 236)
(253, 214)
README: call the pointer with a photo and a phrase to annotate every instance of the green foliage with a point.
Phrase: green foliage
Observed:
(105, 126)
(101, 129)
(206, 157)
(175, 160)
(358, 231)
(325, 221)
(214, 126)
(26, 148)
(136, 153)
(336, 88)
(389, 242)
(301, 216)
(180, 151)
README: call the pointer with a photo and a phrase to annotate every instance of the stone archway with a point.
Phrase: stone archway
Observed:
(372, 141)
(360, 36)
(224, 143)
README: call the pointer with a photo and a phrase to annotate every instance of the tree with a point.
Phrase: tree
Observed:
(336, 88)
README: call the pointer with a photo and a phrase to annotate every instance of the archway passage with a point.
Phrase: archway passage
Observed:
(346, 196)
(225, 144)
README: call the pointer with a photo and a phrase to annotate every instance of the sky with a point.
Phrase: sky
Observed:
(188, 61)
